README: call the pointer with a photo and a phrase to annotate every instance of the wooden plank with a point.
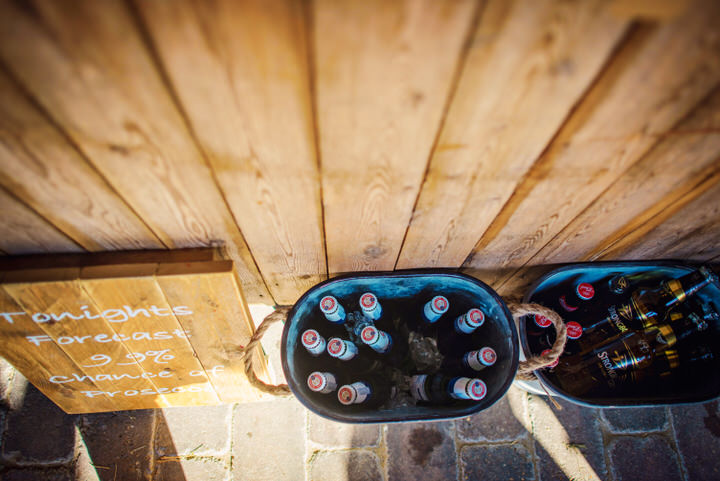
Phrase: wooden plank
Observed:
(221, 327)
(40, 167)
(688, 229)
(145, 304)
(23, 231)
(658, 76)
(683, 158)
(39, 362)
(107, 95)
(384, 72)
(240, 70)
(523, 54)
(70, 318)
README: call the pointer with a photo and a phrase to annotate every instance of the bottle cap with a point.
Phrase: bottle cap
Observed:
(487, 356)
(328, 305)
(336, 347)
(574, 330)
(585, 291)
(475, 317)
(347, 394)
(439, 304)
(311, 339)
(468, 388)
(318, 381)
(370, 335)
(368, 301)
(550, 366)
(542, 321)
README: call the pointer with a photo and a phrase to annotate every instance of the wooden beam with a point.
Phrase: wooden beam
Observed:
(530, 62)
(240, 70)
(86, 64)
(384, 72)
(659, 75)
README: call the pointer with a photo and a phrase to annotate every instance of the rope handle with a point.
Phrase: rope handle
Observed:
(526, 368)
(280, 314)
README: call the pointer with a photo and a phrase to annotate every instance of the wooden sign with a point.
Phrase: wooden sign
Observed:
(105, 337)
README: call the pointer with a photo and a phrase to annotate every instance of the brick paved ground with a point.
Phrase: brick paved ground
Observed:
(521, 437)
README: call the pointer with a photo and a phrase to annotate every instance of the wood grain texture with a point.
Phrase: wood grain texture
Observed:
(240, 70)
(70, 297)
(23, 231)
(658, 76)
(39, 363)
(530, 62)
(40, 167)
(691, 231)
(86, 64)
(676, 165)
(384, 71)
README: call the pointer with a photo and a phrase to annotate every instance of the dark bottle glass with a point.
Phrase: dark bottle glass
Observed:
(458, 336)
(623, 283)
(646, 307)
(370, 391)
(429, 315)
(616, 364)
(392, 353)
(349, 358)
(441, 388)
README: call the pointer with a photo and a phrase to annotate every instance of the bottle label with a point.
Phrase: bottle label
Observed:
(542, 321)
(615, 319)
(313, 342)
(619, 284)
(322, 382)
(370, 306)
(619, 364)
(585, 291)
(342, 350)
(333, 311)
(467, 388)
(376, 339)
(574, 330)
(417, 387)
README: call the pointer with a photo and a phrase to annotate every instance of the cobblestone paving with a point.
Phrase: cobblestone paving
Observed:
(522, 437)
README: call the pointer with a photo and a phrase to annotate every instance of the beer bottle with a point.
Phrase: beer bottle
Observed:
(471, 362)
(439, 388)
(584, 291)
(313, 342)
(370, 306)
(645, 308)
(394, 354)
(349, 356)
(332, 310)
(458, 338)
(322, 382)
(432, 311)
(369, 391)
(622, 283)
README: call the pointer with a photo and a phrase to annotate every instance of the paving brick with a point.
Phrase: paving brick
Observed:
(195, 469)
(6, 375)
(635, 458)
(506, 462)
(339, 435)
(421, 451)
(636, 420)
(568, 442)
(56, 474)
(697, 430)
(85, 470)
(269, 441)
(200, 431)
(504, 421)
(119, 442)
(38, 432)
(346, 465)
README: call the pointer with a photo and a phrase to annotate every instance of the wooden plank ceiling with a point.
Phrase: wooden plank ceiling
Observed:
(311, 138)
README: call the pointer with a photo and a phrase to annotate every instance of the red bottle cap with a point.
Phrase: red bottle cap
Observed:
(328, 304)
(565, 305)
(317, 381)
(550, 366)
(488, 356)
(336, 346)
(585, 291)
(475, 317)
(542, 321)
(476, 389)
(369, 335)
(310, 338)
(574, 330)
(368, 300)
(440, 304)
(347, 395)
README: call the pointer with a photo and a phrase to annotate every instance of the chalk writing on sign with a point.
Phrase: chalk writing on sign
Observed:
(122, 314)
